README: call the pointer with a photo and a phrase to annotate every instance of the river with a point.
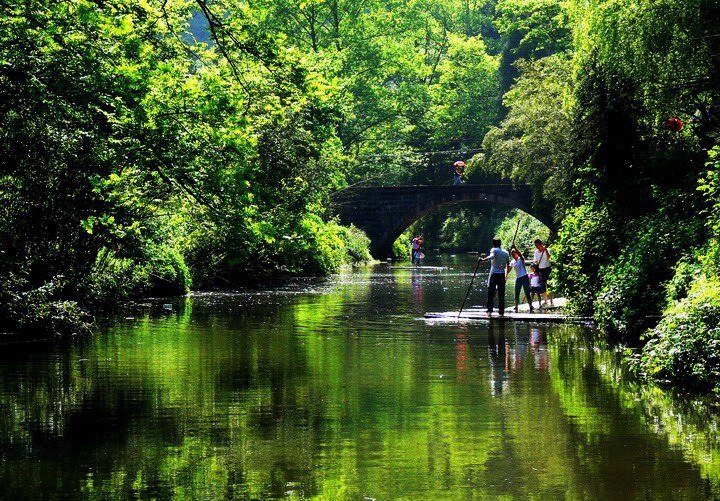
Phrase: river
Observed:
(339, 389)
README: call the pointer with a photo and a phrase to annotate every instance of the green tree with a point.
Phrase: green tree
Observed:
(534, 143)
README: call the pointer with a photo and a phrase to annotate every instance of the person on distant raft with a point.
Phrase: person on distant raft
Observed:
(499, 265)
(420, 253)
(415, 247)
(459, 169)
(522, 280)
(542, 259)
(536, 284)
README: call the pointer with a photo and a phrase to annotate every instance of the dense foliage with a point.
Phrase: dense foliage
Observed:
(521, 230)
(533, 144)
(463, 228)
(136, 158)
(415, 79)
(685, 346)
(591, 128)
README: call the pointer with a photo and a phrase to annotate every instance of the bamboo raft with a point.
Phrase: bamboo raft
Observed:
(523, 315)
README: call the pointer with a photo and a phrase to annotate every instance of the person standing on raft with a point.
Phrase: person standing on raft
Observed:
(542, 259)
(499, 265)
(522, 280)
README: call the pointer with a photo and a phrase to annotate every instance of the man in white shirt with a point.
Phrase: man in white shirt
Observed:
(542, 259)
(499, 265)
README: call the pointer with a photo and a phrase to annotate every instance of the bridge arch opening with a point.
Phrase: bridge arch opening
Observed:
(468, 227)
(385, 212)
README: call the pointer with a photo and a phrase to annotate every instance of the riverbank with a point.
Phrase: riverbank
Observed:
(668, 305)
(67, 306)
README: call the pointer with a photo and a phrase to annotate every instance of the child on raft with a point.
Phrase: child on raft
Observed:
(537, 286)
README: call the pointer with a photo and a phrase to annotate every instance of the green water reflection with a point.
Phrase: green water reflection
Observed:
(342, 391)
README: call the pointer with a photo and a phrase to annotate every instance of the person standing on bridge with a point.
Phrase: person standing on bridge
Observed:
(459, 167)
(499, 266)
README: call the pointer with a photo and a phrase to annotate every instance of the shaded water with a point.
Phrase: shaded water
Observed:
(341, 390)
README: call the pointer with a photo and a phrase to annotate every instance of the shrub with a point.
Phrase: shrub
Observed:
(38, 310)
(684, 349)
(685, 346)
(401, 246)
(632, 290)
(315, 249)
(320, 248)
(583, 246)
(631, 294)
(167, 273)
(162, 272)
(214, 256)
(528, 230)
(357, 244)
(309, 246)
(686, 272)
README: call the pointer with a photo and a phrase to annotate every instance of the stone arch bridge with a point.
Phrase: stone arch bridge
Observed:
(384, 212)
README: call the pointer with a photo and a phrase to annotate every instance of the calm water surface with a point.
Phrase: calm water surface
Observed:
(340, 390)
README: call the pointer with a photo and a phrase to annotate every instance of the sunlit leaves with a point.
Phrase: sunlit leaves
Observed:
(533, 144)
(542, 26)
(668, 47)
(465, 97)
